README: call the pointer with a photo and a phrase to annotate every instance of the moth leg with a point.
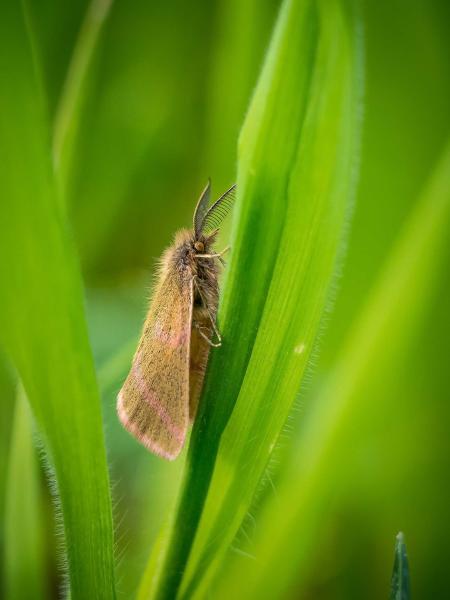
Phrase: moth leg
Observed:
(216, 255)
(205, 337)
(216, 331)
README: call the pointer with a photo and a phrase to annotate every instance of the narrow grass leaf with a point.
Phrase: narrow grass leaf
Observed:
(241, 34)
(400, 586)
(74, 90)
(42, 321)
(7, 402)
(114, 370)
(25, 570)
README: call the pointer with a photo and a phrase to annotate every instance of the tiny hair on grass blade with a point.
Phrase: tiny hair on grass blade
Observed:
(159, 398)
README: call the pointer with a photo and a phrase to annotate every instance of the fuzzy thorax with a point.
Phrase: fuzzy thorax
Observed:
(181, 256)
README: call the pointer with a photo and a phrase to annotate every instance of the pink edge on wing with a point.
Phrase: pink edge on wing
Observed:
(145, 440)
(177, 432)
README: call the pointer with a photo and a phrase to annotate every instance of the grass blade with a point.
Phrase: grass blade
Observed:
(241, 34)
(71, 101)
(400, 586)
(322, 175)
(295, 183)
(289, 524)
(42, 322)
(7, 404)
(25, 569)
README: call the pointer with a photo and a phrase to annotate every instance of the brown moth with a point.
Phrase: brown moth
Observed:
(159, 398)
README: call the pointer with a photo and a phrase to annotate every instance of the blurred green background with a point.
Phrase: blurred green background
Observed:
(163, 101)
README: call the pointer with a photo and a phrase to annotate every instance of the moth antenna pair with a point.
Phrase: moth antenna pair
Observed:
(208, 218)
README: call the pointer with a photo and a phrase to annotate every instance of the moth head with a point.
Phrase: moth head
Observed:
(207, 218)
(203, 243)
(199, 246)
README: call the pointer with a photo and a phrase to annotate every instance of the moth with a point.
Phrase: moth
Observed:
(159, 398)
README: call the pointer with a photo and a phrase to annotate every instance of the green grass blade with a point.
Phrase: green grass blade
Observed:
(74, 89)
(295, 183)
(7, 403)
(115, 369)
(241, 34)
(289, 524)
(25, 569)
(400, 586)
(319, 193)
(42, 322)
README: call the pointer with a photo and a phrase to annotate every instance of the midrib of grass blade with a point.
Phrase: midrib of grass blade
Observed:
(258, 220)
(42, 323)
(319, 196)
(25, 570)
(289, 524)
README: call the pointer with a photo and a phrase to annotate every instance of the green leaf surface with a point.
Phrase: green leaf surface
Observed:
(289, 524)
(25, 565)
(7, 403)
(241, 35)
(74, 90)
(400, 586)
(42, 322)
(295, 184)
(114, 370)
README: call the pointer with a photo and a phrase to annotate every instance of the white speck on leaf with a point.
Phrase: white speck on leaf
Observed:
(300, 348)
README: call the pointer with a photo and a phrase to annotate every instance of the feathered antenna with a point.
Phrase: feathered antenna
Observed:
(201, 208)
(218, 211)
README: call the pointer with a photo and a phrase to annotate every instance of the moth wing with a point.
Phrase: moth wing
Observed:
(153, 403)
